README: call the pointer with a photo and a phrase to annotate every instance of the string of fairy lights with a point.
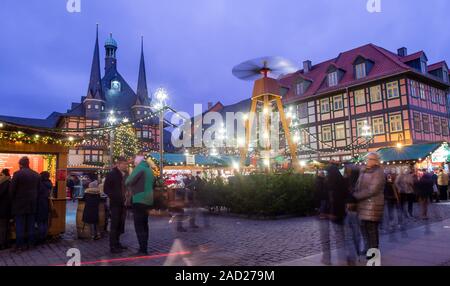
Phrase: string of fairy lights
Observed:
(21, 137)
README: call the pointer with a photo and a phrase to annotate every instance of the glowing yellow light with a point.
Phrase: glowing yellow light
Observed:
(303, 163)
(71, 139)
(399, 145)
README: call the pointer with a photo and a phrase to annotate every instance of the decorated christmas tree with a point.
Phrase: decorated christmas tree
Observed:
(125, 142)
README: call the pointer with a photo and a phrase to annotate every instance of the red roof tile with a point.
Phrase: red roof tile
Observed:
(385, 64)
(437, 66)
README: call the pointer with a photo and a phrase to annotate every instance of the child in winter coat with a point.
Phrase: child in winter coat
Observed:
(91, 206)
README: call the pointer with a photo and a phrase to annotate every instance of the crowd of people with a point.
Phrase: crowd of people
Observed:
(25, 197)
(354, 201)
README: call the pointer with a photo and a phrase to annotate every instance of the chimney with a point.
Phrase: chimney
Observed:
(210, 104)
(306, 66)
(402, 52)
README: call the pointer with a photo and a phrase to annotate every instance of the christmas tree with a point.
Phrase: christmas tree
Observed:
(125, 142)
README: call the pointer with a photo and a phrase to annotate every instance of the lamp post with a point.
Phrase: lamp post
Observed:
(111, 120)
(161, 97)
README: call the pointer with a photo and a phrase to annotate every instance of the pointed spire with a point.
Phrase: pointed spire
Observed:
(142, 91)
(95, 80)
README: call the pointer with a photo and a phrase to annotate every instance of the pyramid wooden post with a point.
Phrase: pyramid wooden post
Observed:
(266, 91)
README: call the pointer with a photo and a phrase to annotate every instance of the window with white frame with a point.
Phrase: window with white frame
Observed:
(437, 125)
(332, 78)
(325, 105)
(360, 70)
(89, 106)
(423, 66)
(138, 112)
(339, 131)
(326, 133)
(360, 97)
(304, 137)
(444, 124)
(338, 102)
(417, 122)
(96, 106)
(413, 88)
(426, 123)
(145, 134)
(375, 93)
(138, 134)
(378, 125)
(299, 88)
(396, 123)
(434, 95)
(422, 91)
(392, 89)
(361, 125)
(302, 110)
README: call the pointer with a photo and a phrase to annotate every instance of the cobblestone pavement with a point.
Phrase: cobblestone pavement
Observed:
(227, 241)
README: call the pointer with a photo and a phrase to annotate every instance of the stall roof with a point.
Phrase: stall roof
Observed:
(223, 160)
(407, 153)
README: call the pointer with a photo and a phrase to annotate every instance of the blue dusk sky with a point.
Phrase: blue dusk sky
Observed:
(192, 45)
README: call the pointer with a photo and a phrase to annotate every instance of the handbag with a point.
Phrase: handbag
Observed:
(435, 189)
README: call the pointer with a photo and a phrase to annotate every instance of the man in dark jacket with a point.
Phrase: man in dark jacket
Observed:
(114, 188)
(335, 184)
(24, 189)
(5, 207)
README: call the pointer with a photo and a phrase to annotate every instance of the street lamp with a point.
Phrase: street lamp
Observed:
(111, 120)
(161, 96)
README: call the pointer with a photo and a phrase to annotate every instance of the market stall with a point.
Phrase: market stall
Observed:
(419, 156)
(47, 151)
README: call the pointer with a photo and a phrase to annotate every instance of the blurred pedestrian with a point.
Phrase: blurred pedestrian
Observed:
(352, 228)
(425, 189)
(5, 208)
(91, 209)
(321, 195)
(443, 184)
(43, 207)
(370, 200)
(114, 188)
(435, 193)
(392, 199)
(24, 190)
(140, 182)
(405, 186)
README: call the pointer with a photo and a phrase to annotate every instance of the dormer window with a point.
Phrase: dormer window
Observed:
(445, 73)
(332, 78)
(360, 70)
(89, 106)
(423, 66)
(299, 88)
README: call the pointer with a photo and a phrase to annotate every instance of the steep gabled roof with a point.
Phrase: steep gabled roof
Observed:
(142, 91)
(385, 63)
(95, 86)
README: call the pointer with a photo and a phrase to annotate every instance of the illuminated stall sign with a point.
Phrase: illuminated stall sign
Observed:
(441, 155)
